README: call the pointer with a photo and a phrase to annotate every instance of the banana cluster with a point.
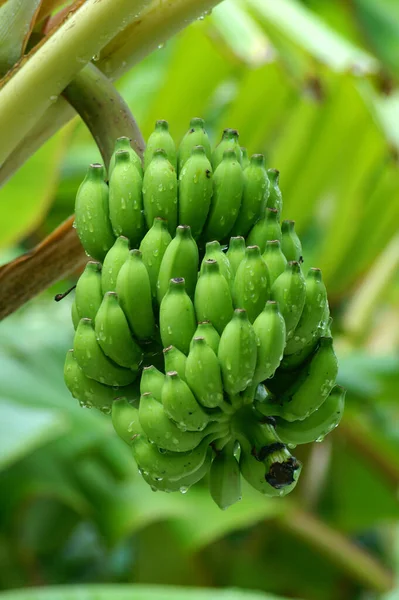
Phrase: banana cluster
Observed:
(194, 325)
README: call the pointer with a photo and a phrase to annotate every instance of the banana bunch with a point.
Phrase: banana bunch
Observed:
(195, 327)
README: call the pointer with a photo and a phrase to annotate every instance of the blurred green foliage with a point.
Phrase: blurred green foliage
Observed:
(314, 86)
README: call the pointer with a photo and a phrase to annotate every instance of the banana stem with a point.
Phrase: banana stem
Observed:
(104, 111)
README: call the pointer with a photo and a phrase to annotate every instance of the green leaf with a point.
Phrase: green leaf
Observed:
(22, 429)
(16, 21)
(27, 196)
(132, 592)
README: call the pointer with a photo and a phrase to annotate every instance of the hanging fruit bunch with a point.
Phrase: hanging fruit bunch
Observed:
(195, 326)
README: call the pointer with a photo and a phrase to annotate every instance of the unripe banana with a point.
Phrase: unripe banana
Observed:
(126, 200)
(177, 320)
(160, 191)
(161, 430)
(308, 328)
(123, 143)
(153, 247)
(90, 392)
(92, 214)
(269, 328)
(74, 315)
(264, 230)
(225, 478)
(254, 195)
(236, 252)
(203, 374)
(88, 294)
(290, 242)
(113, 263)
(195, 136)
(181, 406)
(289, 290)
(113, 334)
(212, 300)
(152, 380)
(319, 424)
(237, 353)
(275, 259)
(228, 183)
(195, 191)
(93, 361)
(206, 330)
(292, 362)
(134, 293)
(182, 484)
(275, 199)
(175, 360)
(251, 286)
(170, 465)
(228, 142)
(214, 251)
(125, 420)
(245, 158)
(180, 260)
(160, 139)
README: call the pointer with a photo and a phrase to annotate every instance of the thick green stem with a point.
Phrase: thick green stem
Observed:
(104, 111)
(156, 24)
(39, 81)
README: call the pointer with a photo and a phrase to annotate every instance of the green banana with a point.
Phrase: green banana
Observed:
(74, 315)
(251, 286)
(228, 183)
(181, 406)
(195, 136)
(183, 484)
(203, 374)
(88, 293)
(160, 191)
(180, 260)
(92, 214)
(308, 328)
(206, 330)
(290, 242)
(175, 360)
(265, 229)
(212, 300)
(245, 158)
(90, 392)
(123, 143)
(93, 361)
(289, 290)
(236, 252)
(126, 199)
(269, 328)
(152, 380)
(225, 478)
(275, 259)
(125, 420)
(237, 353)
(113, 262)
(214, 251)
(134, 293)
(177, 320)
(160, 139)
(319, 424)
(228, 142)
(275, 199)
(254, 195)
(161, 430)
(169, 465)
(195, 190)
(113, 334)
(153, 247)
